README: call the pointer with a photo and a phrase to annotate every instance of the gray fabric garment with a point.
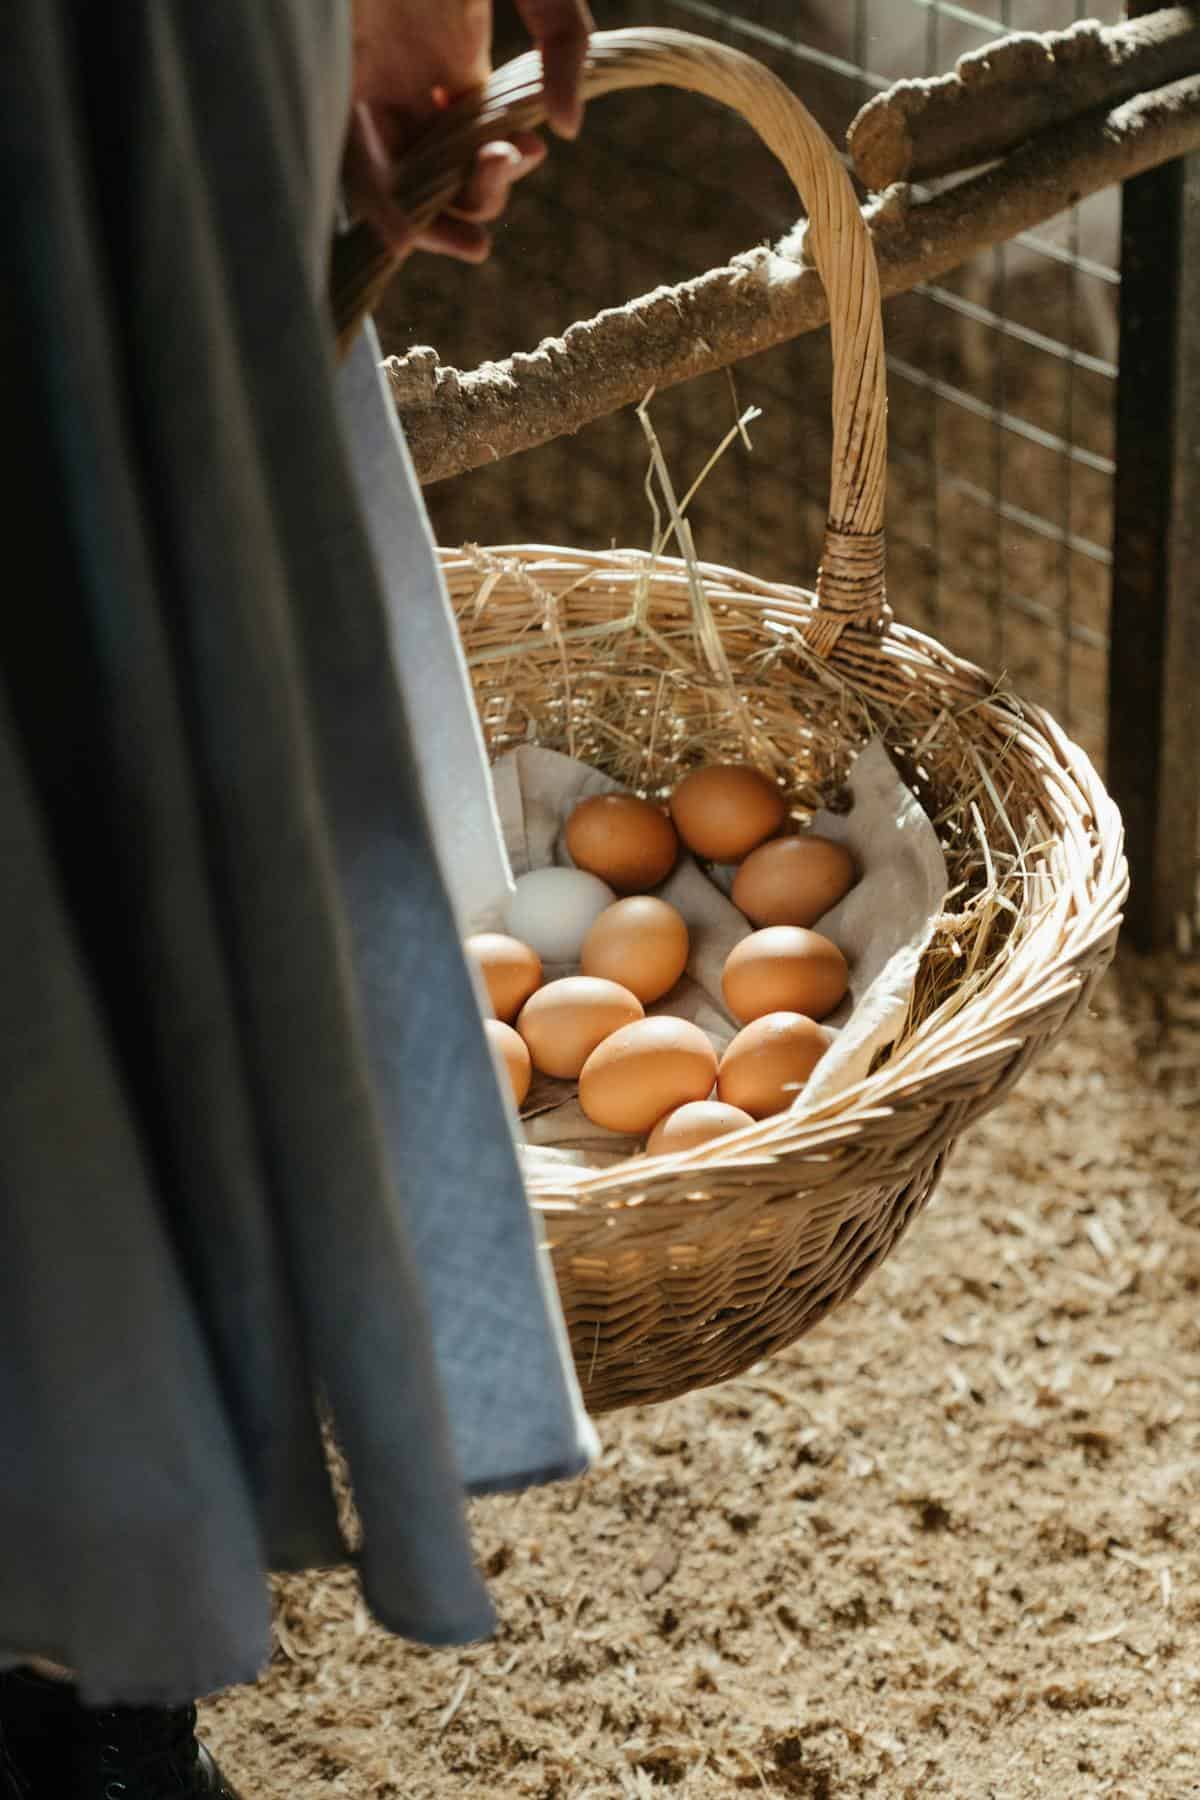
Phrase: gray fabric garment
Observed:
(236, 1031)
(514, 1403)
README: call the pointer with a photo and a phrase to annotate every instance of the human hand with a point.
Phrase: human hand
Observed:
(411, 57)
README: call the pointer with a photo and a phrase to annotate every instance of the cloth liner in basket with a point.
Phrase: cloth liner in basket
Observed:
(677, 1272)
(882, 925)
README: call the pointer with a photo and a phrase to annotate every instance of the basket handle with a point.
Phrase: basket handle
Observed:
(850, 582)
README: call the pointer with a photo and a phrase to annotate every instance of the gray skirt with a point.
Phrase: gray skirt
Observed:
(253, 1156)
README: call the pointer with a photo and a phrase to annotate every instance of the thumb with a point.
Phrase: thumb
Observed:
(368, 177)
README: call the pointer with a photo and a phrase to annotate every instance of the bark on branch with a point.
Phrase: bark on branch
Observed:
(1006, 92)
(457, 421)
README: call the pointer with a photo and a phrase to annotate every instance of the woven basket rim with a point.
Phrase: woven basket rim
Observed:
(1050, 952)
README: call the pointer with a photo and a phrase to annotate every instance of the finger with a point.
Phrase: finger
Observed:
(560, 29)
(531, 145)
(485, 193)
(459, 238)
(367, 174)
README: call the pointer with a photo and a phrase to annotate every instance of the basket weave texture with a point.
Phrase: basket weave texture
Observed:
(683, 1270)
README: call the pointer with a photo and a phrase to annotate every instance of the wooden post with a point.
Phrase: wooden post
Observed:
(1154, 672)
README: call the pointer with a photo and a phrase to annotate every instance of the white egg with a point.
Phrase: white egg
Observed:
(553, 910)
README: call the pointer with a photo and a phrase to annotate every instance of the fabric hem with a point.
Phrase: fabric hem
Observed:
(135, 1693)
(542, 1475)
(438, 1637)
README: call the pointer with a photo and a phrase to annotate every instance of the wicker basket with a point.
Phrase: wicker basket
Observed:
(680, 1271)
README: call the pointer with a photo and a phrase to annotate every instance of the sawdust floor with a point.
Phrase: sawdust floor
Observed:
(945, 1547)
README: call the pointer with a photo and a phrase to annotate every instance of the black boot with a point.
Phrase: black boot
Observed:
(12, 1783)
(66, 1751)
(37, 1723)
(144, 1753)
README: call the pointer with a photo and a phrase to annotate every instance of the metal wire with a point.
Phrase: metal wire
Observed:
(1023, 334)
(1022, 428)
(998, 591)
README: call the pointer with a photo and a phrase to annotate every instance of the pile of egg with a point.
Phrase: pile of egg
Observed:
(657, 1076)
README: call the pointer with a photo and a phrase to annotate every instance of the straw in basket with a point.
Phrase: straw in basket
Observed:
(680, 1271)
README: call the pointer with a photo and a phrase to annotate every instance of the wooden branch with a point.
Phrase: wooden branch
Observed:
(1006, 92)
(456, 420)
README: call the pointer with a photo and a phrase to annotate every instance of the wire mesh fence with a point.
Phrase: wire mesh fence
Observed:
(1001, 377)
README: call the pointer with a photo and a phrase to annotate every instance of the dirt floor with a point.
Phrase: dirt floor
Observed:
(944, 1549)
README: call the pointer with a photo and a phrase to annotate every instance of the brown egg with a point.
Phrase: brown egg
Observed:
(723, 811)
(784, 969)
(627, 842)
(769, 1061)
(699, 1122)
(644, 1071)
(565, 1020)
(509, 1049)
(640, 942)
(793, 881)
(510, 969)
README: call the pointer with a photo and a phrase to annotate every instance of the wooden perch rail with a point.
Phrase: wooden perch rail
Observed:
(1001, 95)
(457, 420)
